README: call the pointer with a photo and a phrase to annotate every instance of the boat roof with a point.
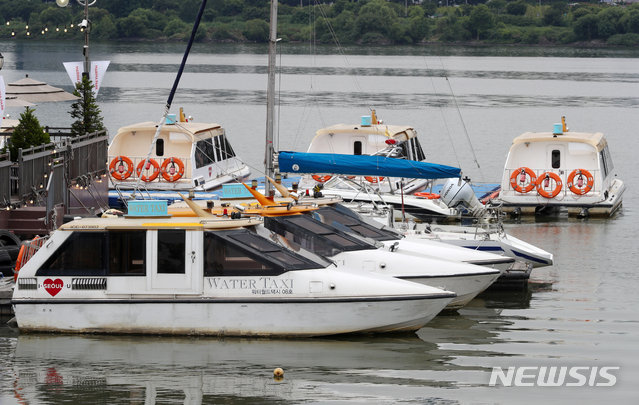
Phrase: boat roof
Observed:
(189, 128)
(164, 222)
(380, 129)
(595, 139)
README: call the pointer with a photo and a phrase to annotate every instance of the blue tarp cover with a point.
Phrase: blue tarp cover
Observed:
(362, 165)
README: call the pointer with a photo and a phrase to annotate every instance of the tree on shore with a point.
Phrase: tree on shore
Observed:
(85, 110)
(27, 133)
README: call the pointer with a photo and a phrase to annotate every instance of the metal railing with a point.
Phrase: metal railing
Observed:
(44, 174)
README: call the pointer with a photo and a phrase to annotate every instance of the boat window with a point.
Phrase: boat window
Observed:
(227, 150)
(82, 254)
(242, 253)
(338, 217)
(203, 153)
(310, 234)
(606, 161)
(419, 152)
(159, 147)
(171, 249)
(218, 149)
(556, 159)
(127, 251)
(406, 153)
(357, 148)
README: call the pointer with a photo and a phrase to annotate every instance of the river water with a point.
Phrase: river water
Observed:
(467, 104)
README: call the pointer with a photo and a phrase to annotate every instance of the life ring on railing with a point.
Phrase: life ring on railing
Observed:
(321, 179)
(577, 187)
(430, 196)
(522, 172)
(21, 254)
(117, 170)
(545, 179)
(170, 173)
(374, 179)
(154, 175)
(27, 249)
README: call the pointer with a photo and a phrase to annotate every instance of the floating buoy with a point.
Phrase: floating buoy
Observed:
(278, 373)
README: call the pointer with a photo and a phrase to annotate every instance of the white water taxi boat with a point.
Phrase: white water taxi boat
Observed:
(185, 156)
(365, 254)
(149, 273)
(565, 170)
(372, 137)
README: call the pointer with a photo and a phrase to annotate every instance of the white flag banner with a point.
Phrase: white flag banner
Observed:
(2, 98)
(98, 69)
(74, 70)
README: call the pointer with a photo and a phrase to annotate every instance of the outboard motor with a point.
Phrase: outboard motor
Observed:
(458, 192)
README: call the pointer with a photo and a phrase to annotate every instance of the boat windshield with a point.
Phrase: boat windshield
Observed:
(311, 234)
(212, 150)
(343, 218)
(241, 252)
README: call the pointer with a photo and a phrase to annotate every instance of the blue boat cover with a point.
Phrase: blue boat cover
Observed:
(362, 165)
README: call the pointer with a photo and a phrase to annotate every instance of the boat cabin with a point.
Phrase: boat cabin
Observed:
(186, 155)
(560, 169)
(368, 139)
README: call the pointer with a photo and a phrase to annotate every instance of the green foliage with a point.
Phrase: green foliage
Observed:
(85, 110)
(586, 27)
(554, 15)
(517, 7)
(480, 20)
(27, 133)
(256, 30)
(630, 39)
(363, 21)
(630, 21)
(177, 29)
(375, 16)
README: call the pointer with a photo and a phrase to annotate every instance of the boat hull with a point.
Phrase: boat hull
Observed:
(466, 286)
(231, 317)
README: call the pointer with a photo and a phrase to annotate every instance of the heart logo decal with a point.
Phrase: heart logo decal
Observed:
(53, 287)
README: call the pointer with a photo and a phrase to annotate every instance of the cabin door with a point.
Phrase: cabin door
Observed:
(555, 157)
(175, 261)
(359, 145)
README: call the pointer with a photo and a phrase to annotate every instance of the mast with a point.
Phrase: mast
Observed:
(270, 98)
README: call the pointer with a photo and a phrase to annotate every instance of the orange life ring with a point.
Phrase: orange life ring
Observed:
(27, 249)
(170, 174)
(321, 179)
(23, 250)
(522, 171)
(430, 196)
(154, 175)
(547, 176)
(576, 188)
(374, 179)
(120, 173)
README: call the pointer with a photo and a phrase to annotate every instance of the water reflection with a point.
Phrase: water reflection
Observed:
(147, 370)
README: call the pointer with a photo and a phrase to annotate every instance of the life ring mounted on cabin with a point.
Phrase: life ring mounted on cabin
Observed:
(518, 179)
(154, 175)
(169, 170)
(430, 196)
(27, 249)
(117, 167)
(578, 186)
(321, 179)
(543, 182)
(374, 179)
